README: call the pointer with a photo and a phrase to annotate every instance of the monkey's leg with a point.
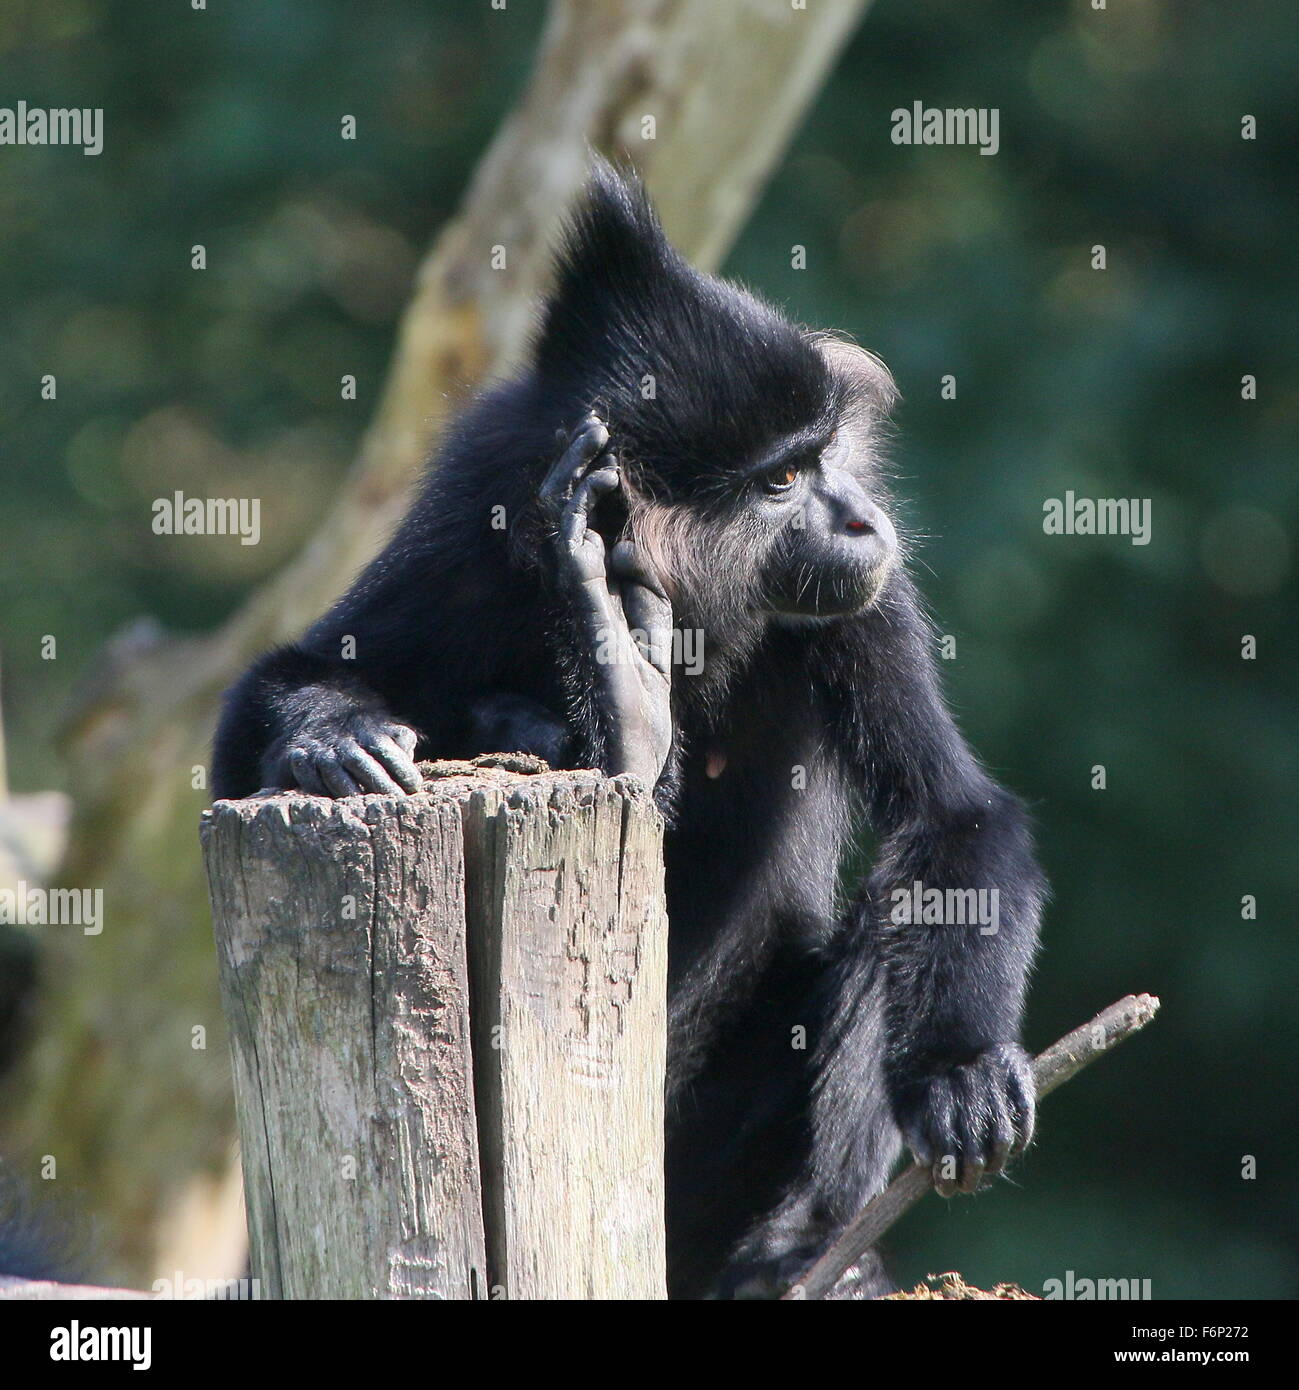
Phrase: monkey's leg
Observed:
(516, 724)
(852, 1140)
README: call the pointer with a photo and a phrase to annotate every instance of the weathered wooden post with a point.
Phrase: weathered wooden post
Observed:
(447, 1015)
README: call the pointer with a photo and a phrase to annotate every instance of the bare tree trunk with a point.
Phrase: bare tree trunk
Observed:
(347, 932)
(128, 1085)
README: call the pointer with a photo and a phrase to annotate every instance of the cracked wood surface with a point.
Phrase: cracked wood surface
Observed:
(348, 933)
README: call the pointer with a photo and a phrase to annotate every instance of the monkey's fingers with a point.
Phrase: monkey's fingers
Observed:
(387, 750)
(584, 546)
(649, 621)
(319, 772)
(368, 772)
(305, 775)
(587, 442)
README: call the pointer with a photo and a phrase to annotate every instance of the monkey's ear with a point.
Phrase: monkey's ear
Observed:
(866, 376)
(613, 263)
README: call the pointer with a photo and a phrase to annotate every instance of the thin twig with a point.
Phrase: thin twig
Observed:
(1060, 1062)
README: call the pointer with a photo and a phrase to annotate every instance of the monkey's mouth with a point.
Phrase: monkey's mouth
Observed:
(841, 596)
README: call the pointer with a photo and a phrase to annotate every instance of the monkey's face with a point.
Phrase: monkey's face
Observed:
(775, 518)
(747, 444)
(790, 534)
(830, 546)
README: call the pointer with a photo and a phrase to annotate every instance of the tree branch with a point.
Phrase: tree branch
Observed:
(1062, 1061)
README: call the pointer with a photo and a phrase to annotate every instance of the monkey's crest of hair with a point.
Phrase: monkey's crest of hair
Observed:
(694, 376)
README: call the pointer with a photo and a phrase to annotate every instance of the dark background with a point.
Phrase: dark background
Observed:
(1121, 128)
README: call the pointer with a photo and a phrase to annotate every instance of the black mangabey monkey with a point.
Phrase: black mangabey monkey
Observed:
(739, 454)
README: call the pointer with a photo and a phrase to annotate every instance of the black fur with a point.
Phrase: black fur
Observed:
(796, 733)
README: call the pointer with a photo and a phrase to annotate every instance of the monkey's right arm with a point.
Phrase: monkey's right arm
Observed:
(298, 719)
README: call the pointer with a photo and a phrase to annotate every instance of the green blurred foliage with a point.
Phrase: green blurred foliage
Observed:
(1119, 127)
(222, 129)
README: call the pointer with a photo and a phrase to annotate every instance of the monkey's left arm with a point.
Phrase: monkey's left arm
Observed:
(620, 615)
(959, 1082)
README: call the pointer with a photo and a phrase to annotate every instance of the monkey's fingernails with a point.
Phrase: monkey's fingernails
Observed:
(406, 738)
(971, 1175)
(943, 1185)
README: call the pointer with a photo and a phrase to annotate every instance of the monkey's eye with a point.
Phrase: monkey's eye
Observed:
(782, 478)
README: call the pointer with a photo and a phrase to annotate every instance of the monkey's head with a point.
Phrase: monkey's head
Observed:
(747, 444)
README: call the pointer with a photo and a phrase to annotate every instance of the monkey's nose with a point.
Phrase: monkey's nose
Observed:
(863, 518)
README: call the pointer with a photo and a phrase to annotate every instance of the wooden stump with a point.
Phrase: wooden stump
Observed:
(391, 1148)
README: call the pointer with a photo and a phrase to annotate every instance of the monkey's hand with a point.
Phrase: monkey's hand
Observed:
(347, 752)
(968, 1120)
(624, 616)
